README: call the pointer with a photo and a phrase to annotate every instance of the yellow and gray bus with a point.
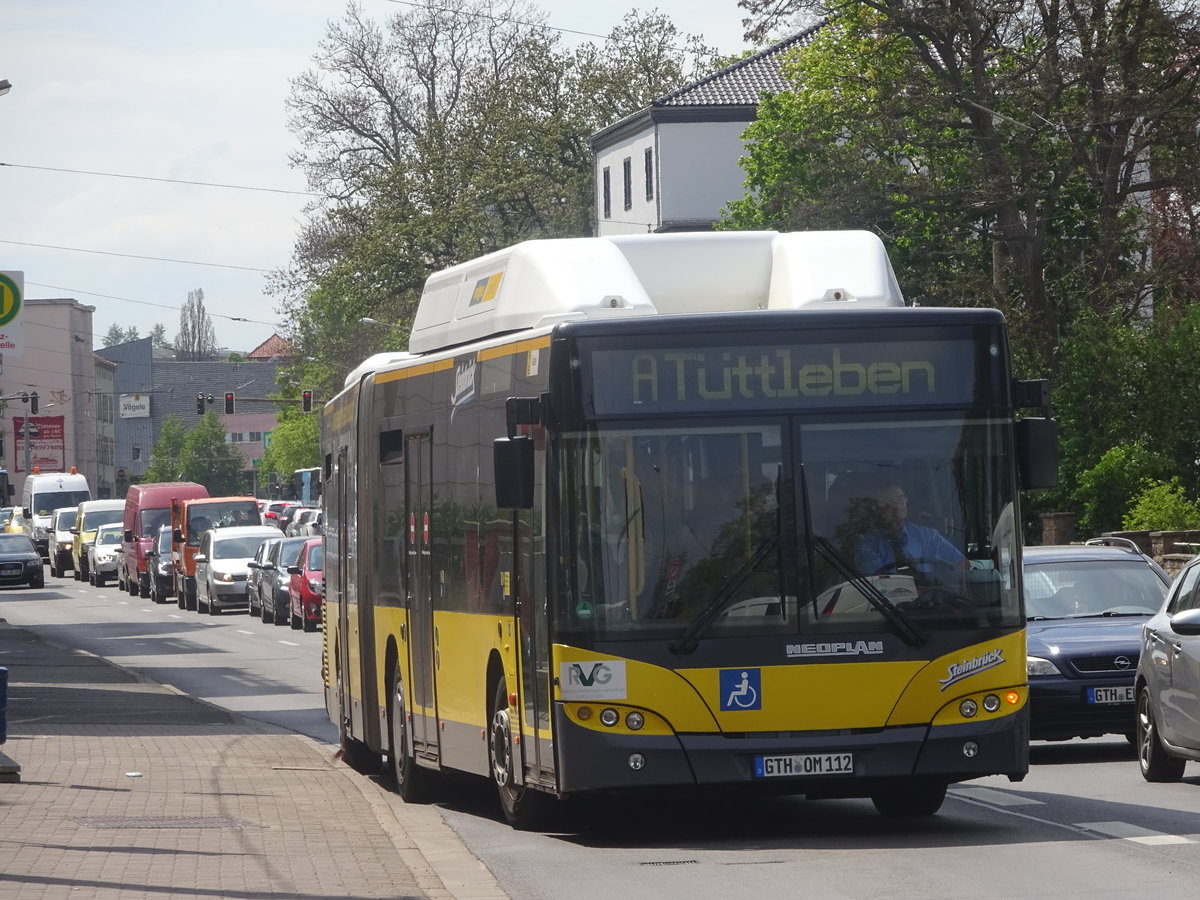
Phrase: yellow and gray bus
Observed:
(605, 527)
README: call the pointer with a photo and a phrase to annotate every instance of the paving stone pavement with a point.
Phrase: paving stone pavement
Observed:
(131, 790)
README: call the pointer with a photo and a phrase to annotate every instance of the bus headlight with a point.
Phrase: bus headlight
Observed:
(635, 721)
(968, 708)
(609, 717)
(991, 703)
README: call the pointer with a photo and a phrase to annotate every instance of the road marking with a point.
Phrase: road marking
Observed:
(243, 631)
(289, 643)
(996, 798)
(172, 616)
(1127, 832)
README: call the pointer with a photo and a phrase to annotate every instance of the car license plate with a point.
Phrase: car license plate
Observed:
(804, 764)
(1106, 695)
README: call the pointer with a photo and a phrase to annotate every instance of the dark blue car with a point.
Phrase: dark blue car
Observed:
(1086, 605)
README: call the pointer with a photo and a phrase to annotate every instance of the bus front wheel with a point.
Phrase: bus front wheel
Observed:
(412, 782)
(910, 799)
(525, 809)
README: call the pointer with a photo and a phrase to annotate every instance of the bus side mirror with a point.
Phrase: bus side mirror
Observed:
(177, 536)
(513, 461)
(1037, 453)
(127, 535)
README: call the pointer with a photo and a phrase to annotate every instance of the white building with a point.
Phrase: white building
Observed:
(674, 165)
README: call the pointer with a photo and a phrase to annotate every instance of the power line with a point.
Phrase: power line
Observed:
(232, 187)
(186, 262)
(176, 309)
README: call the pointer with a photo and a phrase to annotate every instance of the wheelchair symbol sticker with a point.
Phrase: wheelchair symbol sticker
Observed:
(740, 689)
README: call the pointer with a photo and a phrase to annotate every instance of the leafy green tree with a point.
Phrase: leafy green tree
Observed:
(1108, 490)
(438, 135)
(1007, 151)
(167, 456)
(197, 338)
(118, 335)
(158, 335)
(207, 458)
(295, 444)
(1163, 506)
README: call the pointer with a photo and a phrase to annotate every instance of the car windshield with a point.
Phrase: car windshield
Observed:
(1080, 588)
(154, 519)
(65, 519)
(164, 540)
(108, 536)
(15, 543)
(240, 547)
(316, 559)
(289, 552)
(97, 517)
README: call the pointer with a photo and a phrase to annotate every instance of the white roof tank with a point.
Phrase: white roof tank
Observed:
(536, 283)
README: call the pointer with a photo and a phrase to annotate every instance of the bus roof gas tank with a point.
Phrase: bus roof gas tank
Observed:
(538, 283)
(727, 271)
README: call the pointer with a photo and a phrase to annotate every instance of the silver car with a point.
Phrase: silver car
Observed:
(222, 564)
(62, 520)
(1168, 682)
(104, 554)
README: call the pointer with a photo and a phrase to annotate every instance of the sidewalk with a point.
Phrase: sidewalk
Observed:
(129, 789)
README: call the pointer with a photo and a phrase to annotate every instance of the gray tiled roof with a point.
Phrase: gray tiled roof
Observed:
(743, 83)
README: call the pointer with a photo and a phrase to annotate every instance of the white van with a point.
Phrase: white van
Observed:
(45, 492)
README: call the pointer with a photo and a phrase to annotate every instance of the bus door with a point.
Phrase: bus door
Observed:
(531, 613)
(418, 484)
(349, 687)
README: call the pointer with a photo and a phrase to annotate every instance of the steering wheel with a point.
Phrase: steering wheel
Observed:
(935, 587)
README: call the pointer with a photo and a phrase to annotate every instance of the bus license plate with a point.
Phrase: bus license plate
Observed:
(804, 764)
(1106, 695)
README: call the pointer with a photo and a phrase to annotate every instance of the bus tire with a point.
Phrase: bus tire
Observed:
(412, 782)
(910, 799)
(524, 808)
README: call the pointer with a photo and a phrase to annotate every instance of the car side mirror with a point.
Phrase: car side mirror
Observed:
(200, 557)
(253, 565)
(294, 570)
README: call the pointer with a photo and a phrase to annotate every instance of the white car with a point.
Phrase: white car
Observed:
(104, 553)
(223, 562)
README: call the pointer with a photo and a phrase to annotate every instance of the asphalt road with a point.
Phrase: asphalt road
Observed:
(1082, 824)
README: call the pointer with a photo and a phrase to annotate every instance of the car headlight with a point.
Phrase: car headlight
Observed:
(314, 586)
(225, 577)
(1035, 666)
(40, 531)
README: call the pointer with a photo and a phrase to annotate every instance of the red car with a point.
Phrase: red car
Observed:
(307, 587)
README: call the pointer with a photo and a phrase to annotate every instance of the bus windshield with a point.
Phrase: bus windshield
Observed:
(790, 526)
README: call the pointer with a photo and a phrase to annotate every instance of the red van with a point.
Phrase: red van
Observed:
(147, 508)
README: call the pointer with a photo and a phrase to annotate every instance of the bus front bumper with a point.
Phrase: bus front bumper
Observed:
(591, 760)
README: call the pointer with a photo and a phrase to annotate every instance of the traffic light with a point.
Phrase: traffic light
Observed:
(33, 403)
(308, 401)
(229, 403)
(199, 404)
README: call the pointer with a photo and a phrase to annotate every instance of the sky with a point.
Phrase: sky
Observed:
(183, 91)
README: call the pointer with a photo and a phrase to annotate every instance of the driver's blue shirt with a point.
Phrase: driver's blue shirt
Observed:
(920, 545)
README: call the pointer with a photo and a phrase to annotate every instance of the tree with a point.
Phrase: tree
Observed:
(1018, 142)
(207, 458)
(196, 339)
(118, 335)
(295, 444)
(442, 134)
(167, 456)
(158, 337)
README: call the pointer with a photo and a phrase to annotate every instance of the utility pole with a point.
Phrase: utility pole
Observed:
(28, 432)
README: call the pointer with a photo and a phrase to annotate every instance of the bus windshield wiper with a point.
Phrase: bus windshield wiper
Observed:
(885, 607)
(690, 639)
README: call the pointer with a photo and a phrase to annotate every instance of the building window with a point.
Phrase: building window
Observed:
(607, 193)
(256, 437)
(649, 173)
(627, 166)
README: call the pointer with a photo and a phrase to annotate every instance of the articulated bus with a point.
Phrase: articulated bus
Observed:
(602, 528)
